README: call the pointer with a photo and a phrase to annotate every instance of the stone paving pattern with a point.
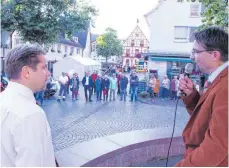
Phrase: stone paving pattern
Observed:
(75, 122)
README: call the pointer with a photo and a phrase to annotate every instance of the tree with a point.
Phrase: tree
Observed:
(42, 20)
(215, 12)
(108, 44)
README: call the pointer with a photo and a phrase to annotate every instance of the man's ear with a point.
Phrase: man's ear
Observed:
(216, 56)
(25, 72)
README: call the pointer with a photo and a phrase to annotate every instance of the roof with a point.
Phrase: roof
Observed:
(82, 37)
(160, 2)
(137, 27)
(70, 42)
(84, 60)
(167, 54)
(153, 10)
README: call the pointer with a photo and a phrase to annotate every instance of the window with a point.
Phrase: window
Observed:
(136, 52)
(72, 49)
(181, 33)
(194, 10)
(75, 39)
(132, 42)
(127, 52)
(137, 42)
(58, 47)
(184, 33)
(93, 47)
(53, 47)
(66, 49)
(77, 51)
(142, 43)
(136, 35)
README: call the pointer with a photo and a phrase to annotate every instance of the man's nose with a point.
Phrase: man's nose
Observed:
(48, 73)
(192, 56)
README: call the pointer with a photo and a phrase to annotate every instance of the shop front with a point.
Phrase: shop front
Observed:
(174, 66)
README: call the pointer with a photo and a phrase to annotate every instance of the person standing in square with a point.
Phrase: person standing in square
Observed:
(74, 85)
(105, 87)
(113, 86)
(26, 139)
(123, 86)
(87, 84)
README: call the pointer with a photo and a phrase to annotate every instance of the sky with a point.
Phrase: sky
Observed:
(122, 16)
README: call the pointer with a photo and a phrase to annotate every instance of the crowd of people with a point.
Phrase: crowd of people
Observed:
(103, 86)
(106, 86)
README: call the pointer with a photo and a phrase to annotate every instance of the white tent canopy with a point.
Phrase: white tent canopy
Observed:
(76, 64)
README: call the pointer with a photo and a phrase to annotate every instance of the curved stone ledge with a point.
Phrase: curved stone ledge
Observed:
(138, 153)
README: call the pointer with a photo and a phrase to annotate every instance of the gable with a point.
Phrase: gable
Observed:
(156, 8)
(138, 31)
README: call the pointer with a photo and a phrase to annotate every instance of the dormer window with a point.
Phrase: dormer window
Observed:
(75, 39)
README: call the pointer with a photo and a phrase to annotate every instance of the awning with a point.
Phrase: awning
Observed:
(171, 59)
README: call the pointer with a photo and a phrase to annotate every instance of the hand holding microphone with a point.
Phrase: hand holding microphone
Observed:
(185, 83)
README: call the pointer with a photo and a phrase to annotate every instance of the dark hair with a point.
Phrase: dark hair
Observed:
(20, 56)
(214, 38)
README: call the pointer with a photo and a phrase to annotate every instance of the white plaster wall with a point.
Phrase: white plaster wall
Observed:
(169, 14)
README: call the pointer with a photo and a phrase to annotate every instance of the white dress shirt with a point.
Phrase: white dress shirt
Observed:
(63, 80)
(87, 81)
(216, 72)
(25, 133)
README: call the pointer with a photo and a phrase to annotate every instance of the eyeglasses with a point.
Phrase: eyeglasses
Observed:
(197, 51)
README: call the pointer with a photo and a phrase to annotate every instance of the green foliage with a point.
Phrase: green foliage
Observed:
(215, 12)
(108, 44)
(42, 20)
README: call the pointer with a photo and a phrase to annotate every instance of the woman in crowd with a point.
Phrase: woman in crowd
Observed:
(74, 82)
(151, 86)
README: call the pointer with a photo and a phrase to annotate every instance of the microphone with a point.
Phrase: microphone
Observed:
(187, 72)
(188, 69)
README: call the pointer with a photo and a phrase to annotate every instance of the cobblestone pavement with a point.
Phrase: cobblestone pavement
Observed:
(75, 122)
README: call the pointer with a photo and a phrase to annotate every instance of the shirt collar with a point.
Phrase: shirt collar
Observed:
(215, 73)
(21, 89)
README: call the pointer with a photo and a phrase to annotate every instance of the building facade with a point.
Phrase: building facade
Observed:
(133, 47)
(171, 27)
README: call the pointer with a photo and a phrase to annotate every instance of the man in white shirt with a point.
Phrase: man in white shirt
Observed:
(25, 133)
(63, 86)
